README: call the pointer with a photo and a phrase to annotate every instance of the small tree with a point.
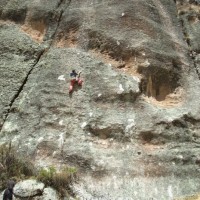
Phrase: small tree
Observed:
(12, 165)
(59, 180)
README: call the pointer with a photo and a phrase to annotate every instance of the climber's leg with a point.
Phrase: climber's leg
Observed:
(80, 82)
(72, 82)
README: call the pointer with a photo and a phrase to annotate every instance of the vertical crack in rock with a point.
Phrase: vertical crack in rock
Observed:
(161, 82)
(63, 1)
(167, 22)
(59, 19)
(22, 86)
(37, 59)
(60, 16)
(190, 50)
(185, 33)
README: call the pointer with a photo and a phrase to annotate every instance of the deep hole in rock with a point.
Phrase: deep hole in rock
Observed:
(146, 136)
(158, 82)
(180, 123)
(115, 131)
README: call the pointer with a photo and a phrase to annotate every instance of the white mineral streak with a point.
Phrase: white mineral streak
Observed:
(40, 139)
(136, 79)
(84, 124)
(170, 193)
(146, 63)
(61, 140)
(131, 125)
(61, 78)
(61, 122)
(54, 154)
(121, 89)
(9, 126)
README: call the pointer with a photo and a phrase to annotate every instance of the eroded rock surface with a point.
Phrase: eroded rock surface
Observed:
(132, 130)
(28, 188)
(34, 190)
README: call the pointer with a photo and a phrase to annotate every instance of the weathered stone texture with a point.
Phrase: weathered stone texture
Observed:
(18, 55)
(34, 190)
(137, 113)
(28, 188)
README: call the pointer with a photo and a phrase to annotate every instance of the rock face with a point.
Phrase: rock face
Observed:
(28, 188)
(49, 193)
(133, 129)
(31, 189)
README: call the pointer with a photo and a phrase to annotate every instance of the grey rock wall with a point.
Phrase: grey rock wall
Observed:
(132, 129)
(34, 190)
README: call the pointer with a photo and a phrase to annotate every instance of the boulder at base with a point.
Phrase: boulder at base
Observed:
(28, 188)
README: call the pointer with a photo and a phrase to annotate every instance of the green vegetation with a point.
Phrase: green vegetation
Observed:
(14, 166)
(58, 180)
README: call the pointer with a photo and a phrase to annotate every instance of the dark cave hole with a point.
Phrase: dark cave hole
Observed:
(158, 82)
(146, 136)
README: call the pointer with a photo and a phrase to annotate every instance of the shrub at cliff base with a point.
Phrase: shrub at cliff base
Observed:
(59, 180)
(12, 165)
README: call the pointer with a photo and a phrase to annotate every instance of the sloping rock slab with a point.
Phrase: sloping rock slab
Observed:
(49, 194)
(28, 188)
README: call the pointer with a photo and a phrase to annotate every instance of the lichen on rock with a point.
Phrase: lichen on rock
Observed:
(132, 129)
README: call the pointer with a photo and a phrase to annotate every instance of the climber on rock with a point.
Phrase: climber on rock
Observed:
(75, 78)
